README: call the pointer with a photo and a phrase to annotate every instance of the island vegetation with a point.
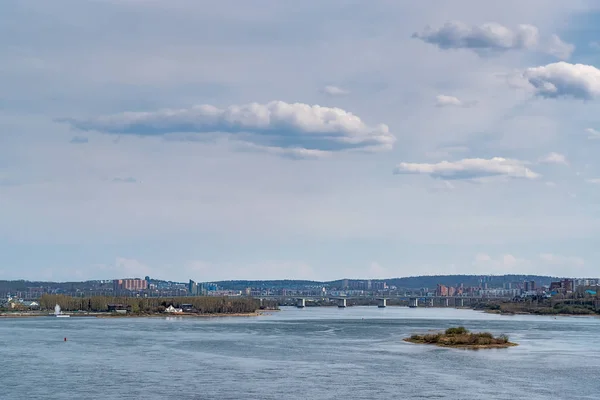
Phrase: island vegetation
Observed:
(460, 337)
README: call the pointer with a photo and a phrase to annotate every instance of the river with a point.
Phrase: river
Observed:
(324, 353)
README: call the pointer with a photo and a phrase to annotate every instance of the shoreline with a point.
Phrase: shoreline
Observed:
(154, 315)
(497, 312)
(464, 346)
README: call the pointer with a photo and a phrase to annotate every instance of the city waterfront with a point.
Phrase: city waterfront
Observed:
(316, 352)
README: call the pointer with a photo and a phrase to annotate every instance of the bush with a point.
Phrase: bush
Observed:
(432, 338)
(460, 330)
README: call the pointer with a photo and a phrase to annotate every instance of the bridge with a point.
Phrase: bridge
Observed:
(412, 301)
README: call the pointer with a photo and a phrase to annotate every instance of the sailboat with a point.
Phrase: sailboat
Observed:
(58, 313)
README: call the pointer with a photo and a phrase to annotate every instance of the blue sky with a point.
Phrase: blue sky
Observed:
(283, 139)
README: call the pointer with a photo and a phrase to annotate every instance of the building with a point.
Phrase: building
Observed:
(173, 310)
(529, 286)
(133, 285)
(441, 290)
(193, 288)
(119, 308)
(564, 286)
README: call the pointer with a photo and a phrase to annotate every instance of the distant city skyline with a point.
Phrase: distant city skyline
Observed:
(301, 140)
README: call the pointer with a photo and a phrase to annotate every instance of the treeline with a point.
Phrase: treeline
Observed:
(201, 305)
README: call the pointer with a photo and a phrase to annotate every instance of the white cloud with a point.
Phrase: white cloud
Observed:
(505, 264)
(546, 263)
(293, 153)
(377, 271)
(595, 45)
(562, 79)
(593, 133)
(442, 100)
(554, 158)
(559, 49)
(593, 180)
(566, 261)
(335, 91)
(275, 125)
(469, 168)
(493, 37)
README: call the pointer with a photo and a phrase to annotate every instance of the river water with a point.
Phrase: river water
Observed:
(312, 353)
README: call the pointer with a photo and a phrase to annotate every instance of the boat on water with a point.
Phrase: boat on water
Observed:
(58, 313)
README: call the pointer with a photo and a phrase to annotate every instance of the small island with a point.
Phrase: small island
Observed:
(460, 337)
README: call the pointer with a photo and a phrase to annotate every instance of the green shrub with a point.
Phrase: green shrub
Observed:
(460, 330)
(432, 338)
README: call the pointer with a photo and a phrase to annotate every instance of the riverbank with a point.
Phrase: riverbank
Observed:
(543, 310)
(129, 315)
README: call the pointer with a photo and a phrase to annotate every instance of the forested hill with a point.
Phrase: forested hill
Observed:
(466, 280)
(413, 282)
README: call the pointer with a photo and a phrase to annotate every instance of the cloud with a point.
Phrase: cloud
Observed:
(558, 48)
(78, 140)
(276, 124)
(492, 37)
(595, 45)
(442, 100)
(565, 261)
(335, 91)
(125, 180)
(562, 79)
(546, 263)
(489, 36)
(554, 158)
(595, 181)
(504, 264)
(292, 153)
(593, 133)
(469, 168)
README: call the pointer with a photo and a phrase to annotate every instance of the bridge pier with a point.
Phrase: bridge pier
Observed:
(446, 302)
(341, 303)
(459, 302)
(431, 302)
(413, 302)
(381, 303)
(301, 303)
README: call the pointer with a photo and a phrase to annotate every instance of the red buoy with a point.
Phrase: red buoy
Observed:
(65, 339)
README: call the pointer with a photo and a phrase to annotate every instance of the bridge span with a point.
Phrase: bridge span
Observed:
(382, 302)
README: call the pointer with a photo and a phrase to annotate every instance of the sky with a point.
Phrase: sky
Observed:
(192, 139)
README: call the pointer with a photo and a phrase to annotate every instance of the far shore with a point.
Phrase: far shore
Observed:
(498, 312)
(152, 315)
